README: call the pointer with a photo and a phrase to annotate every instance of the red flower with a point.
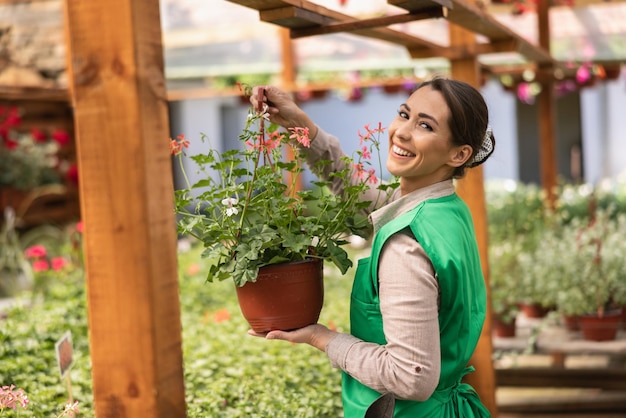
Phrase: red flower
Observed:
(61, 137)
(13, 118)
(10, 144)
(72, 174)
(38, 135)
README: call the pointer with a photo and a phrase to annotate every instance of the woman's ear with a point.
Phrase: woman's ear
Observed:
(460, 155)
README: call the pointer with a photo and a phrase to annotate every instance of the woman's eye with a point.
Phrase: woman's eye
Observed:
(403, 114)
(425, 126)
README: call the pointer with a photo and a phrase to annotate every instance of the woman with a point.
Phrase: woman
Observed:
(418, 302)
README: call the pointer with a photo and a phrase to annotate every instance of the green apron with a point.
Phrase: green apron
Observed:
(444, 228)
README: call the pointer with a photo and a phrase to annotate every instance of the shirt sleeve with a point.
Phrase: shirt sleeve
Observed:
(409, 364)
(327, 147)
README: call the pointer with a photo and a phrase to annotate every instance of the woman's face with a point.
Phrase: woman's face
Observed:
(420, 150)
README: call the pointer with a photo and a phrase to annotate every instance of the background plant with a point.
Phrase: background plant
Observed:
(227, 372)
(546, 257)
(31, 159)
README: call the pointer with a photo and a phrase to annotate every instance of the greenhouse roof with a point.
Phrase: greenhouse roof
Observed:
(226, 39)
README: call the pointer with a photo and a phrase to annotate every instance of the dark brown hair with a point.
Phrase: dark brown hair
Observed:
(469, 117)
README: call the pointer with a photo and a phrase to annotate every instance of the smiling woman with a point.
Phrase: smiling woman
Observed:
(423, 278)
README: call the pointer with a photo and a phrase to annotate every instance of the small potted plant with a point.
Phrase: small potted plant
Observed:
(504, 284)
(253, 219)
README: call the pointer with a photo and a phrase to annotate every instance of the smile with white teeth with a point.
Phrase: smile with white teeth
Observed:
(397, 150)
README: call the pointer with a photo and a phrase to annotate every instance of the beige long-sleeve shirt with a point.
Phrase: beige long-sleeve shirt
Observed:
(409, 364)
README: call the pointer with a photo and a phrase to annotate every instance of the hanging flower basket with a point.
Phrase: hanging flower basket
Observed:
(285, 296)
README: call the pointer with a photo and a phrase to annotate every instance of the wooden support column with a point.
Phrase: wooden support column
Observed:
(471, 189)
(288, 83)
(545, 108)
(126, 191)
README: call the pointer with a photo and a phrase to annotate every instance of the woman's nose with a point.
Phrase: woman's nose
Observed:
(403, 132)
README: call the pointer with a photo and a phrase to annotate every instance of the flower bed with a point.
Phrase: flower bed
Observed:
(255, 379)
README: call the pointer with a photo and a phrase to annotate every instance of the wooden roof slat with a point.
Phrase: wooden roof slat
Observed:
(380, 33)
(456, 52)
(412, 5)
(295, 18)
(351, 26)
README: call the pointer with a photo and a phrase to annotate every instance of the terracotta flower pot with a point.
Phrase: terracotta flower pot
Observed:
(571, 322)
(600, 328)
(285, 296)
(533, 310)
(503, 329)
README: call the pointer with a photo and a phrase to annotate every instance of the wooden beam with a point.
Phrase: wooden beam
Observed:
(368, 23)
(465, 51)
(126, 188)
(472, 191)
(546, 114)
(607, 379)
(294, 17)
(412, 5)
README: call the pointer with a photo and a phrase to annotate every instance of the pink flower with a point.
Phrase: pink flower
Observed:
(301, 135)
(36, 251)
(10, 398)
(372, 179)
(177, 145)
(71, 409)
(58, 263)
(365, 152)
(79, 227)
(40, 265)
(359, 171)
(583, 74)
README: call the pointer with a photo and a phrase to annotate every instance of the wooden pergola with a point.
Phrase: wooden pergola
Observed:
(118, 91)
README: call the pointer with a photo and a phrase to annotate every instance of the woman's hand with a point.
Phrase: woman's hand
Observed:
(282, 109)
(316, 335)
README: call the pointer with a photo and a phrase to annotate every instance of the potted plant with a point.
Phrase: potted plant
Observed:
(516, 215)
(582, 264)
(33, 162)
(253, 219)
(504, 281)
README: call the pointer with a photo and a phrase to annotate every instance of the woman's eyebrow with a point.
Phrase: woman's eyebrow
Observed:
(427, 116)
(421, 115)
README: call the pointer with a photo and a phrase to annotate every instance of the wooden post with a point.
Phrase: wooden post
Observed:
(545, 107)
(126, 191)
(471, 189)
(288, 81)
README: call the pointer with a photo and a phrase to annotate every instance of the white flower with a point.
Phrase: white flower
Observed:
(231, 202)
